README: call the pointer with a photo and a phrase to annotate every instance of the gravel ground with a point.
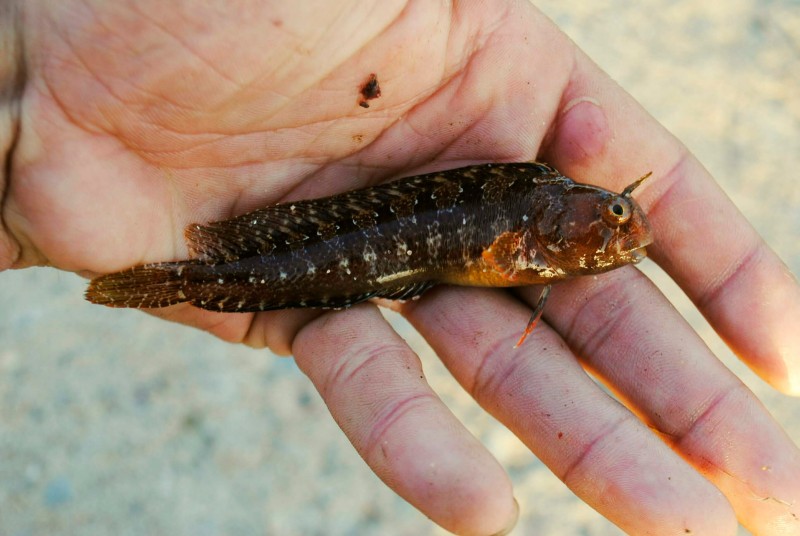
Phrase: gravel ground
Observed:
(117, 423)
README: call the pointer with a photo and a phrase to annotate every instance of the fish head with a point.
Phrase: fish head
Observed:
(591, 230)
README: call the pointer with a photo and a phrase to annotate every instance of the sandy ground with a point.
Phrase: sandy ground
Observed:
(116, 423)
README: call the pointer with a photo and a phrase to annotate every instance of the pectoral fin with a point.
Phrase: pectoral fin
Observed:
(535, 315)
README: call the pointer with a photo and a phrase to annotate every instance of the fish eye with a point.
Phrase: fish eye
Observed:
(617, 211)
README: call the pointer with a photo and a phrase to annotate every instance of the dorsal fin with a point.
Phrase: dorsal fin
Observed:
(268, 230)
(286, 226)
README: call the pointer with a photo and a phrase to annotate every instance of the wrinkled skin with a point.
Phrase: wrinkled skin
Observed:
(132, 125)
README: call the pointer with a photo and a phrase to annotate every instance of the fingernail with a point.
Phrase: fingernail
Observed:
(513, 522)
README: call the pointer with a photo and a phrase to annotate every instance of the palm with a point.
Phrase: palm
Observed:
(164, 123)
(153, 131)
(135, 125)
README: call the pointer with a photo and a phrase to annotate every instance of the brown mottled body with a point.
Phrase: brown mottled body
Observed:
(494, 225)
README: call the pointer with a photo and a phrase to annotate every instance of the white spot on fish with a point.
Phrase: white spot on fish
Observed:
(283, 275)
(434, 242)
(402, 247)
(551, 272)
(369, 255)
(396, 276)
(600, 262)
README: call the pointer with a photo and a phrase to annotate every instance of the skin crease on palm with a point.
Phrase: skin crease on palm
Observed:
(138, 118)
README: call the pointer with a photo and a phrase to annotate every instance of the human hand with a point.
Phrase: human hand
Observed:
(133, 126)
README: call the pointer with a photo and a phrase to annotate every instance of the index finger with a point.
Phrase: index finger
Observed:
(701, 239)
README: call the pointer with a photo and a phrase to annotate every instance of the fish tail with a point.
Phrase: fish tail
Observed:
(150, 285)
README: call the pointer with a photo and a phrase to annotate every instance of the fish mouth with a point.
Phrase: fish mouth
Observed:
(638, 254)
(636, 245)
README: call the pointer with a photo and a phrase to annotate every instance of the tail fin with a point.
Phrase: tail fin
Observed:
(150, 285)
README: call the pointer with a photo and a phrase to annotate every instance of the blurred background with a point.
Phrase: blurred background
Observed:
(123, 424)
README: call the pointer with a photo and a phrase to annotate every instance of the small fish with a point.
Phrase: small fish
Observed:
(490, 225)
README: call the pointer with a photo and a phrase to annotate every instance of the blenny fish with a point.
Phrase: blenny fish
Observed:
(490, 225)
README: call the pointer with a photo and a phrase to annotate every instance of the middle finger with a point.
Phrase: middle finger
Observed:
(628, 333)
(540, 391)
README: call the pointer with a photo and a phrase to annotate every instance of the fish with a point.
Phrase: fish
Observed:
(487, 225)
